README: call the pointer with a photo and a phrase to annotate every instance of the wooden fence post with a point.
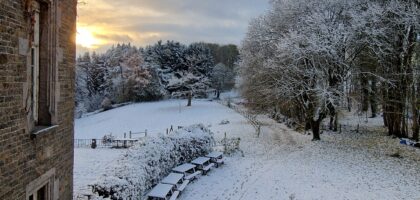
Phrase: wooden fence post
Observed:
(225, 143)
(259, 130)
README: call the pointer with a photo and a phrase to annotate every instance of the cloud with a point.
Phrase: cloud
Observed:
(143, 22)
(114, 37)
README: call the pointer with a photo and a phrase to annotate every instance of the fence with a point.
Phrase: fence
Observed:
(101, 143)
(228, 145)
(108, 141)
(357, 128)
(252, 118)
(132, 134)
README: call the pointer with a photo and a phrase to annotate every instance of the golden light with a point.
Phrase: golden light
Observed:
(86, 38)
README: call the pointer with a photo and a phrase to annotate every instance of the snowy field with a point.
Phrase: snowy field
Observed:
(280, 164)
(156, 117)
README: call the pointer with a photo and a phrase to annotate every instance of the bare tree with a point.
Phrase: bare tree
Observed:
(299, 55)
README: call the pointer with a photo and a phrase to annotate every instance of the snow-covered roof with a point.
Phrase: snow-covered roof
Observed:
(183, 168)
(160, 190)
(200, 160)
(214, 154)
(173, 178)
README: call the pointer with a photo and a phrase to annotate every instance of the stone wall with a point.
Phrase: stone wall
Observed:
(26, 158)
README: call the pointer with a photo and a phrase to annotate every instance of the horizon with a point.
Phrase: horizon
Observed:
(105, 49)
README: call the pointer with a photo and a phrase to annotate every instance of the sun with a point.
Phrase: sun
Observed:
(86, 38)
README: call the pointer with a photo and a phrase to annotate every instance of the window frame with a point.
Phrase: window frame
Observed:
(46, 180)
(43, 47)
(35, 57)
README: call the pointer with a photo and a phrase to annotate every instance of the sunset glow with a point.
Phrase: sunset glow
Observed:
(104, 23)
(85, 38)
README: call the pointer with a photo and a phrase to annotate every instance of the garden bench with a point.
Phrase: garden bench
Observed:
(193, 176)
(208, 167)
(183, 185)
(216, 157)
(161, 191)
(174, 195)
(189, 171)
(220, 162)
(203, 163)
(173, 178)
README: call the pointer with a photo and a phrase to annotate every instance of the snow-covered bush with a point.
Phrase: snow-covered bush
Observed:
(106, 104)
(94, 102)
(230, 145)
(107, 139)
(223, 122)
(146, 163)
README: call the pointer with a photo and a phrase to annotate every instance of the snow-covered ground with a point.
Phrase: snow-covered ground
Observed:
(280, 164)
(156, 117)
(283, 164)
(89, 164)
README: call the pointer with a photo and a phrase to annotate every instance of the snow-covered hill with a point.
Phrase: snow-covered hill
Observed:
(156, 117)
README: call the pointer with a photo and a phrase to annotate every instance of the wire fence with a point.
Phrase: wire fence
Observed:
(356, 128)
(251, 117)
(101, 143)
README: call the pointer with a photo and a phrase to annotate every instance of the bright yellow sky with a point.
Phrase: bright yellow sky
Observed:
(86, 38)
(102, 23)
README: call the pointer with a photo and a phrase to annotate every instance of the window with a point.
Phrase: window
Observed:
(42, 188)
(42, 193)
(40, 65)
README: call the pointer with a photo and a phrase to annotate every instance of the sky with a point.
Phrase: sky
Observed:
(102, 23)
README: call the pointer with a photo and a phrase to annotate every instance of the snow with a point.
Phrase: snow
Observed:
(173, 178)
(153, 158)
(183, 168)
(89, 164)
(161, 190)
(281, 163)
(156, 117)
(214, 154)
(200, 160)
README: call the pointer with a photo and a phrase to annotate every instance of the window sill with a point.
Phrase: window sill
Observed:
(39, 130)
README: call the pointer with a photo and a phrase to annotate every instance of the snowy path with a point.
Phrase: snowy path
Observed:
(283, 164)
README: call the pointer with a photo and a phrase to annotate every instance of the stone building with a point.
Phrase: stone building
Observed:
(37, 58)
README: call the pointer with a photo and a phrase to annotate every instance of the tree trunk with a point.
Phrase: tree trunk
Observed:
(397, 96)
(315, 126)
(189, 98)
(307, 125)
(335, 129)
(365, 92)
(334, 122)
(373, 98)
(416, 131)
(331, 123)
(415, 112)
(395, 106)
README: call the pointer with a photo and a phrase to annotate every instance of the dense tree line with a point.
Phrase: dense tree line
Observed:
(126, 73)
(309, 59)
